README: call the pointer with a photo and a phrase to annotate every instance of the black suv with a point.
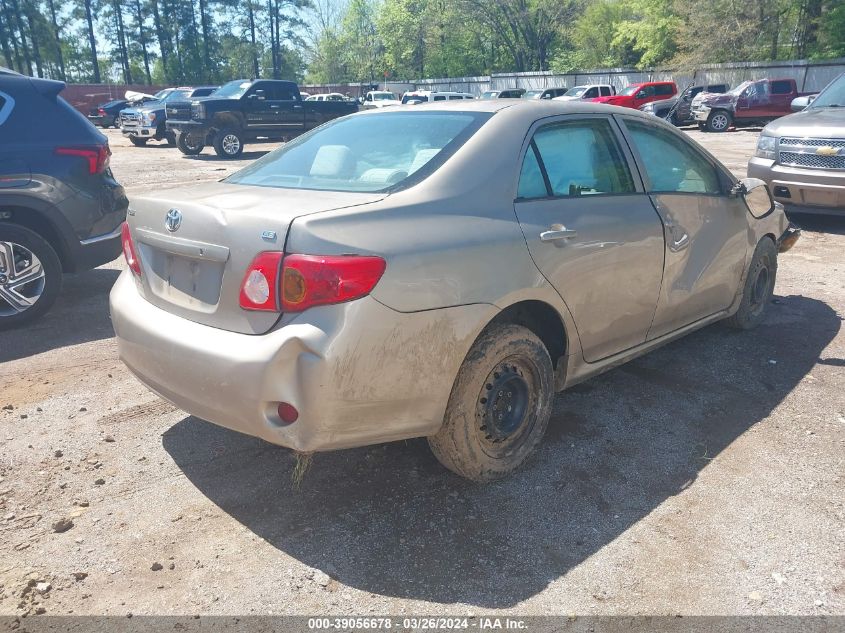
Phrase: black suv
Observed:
(61, 210)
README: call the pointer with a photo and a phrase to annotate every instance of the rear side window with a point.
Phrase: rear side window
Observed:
(671, 163)
(663, 89)
(279, 92)
(440, 98)
(781, 87)
(5, 108)
(605, 91)
(579, 158)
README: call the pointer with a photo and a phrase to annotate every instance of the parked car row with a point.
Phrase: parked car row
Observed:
(146, 122)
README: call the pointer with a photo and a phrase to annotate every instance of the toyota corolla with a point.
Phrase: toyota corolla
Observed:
(437, 271)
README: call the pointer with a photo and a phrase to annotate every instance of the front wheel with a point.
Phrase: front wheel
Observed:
(499, 406)
(170, 137)
(718, 121)
(759, 287)
(189, 145)
(228, 143)
(30, 276)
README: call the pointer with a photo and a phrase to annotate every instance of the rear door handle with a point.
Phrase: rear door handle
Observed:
(557, 232)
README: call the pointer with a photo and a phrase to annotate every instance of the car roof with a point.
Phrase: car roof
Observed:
(531, 110)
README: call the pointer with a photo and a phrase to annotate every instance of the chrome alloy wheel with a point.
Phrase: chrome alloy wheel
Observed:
(231, 144)
(22, 279)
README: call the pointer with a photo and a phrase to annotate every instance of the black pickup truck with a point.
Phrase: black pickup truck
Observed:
(245, 111)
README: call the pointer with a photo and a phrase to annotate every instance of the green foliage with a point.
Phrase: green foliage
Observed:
(333, 41)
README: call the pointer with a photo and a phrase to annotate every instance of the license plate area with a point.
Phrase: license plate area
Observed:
(184, 281)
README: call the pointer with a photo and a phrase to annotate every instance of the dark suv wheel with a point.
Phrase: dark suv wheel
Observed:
(228, 143)
(30, 276)
(189, 145)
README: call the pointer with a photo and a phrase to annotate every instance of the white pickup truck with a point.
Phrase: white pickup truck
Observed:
(585, 93)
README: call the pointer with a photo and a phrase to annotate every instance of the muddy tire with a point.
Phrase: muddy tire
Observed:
(137, 142)
(170, 137)
(30, 276)
(228, 143)
(718, 121)
(499, 407)
(758, 289)
(188, 145)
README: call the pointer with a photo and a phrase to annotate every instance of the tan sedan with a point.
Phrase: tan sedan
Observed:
(437, 271)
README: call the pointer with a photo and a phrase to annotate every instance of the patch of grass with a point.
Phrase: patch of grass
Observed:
(303, 463)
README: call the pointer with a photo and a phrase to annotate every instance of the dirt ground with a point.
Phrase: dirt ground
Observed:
(705, 478)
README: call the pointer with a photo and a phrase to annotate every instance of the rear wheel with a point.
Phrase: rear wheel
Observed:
(499, 406)
(228, 143)
(718, 121)
(189, 145)
(30, 276)
(759, 287)
(137, 141)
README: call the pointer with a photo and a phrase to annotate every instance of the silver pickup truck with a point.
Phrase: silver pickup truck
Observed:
(802, 156)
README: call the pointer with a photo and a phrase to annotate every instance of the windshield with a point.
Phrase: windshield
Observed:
(161, 94)
(627, 92)
(233, 89)
(420, 98)
(833, 96)
(383, 96)
(490, 94)
(740, 88)
(531, 94)
(175, 95)
(365, 153)
(577, 91)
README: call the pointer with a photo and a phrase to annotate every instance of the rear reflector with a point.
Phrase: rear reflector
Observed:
(311, 280)
(287, 413)
(96, 155)
(129, 250)
(259, 289)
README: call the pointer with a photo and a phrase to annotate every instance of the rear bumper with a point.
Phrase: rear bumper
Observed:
(802, 190)
(358, 373)
(99, 250)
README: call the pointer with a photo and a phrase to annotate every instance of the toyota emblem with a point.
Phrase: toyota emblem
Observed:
(173, 220)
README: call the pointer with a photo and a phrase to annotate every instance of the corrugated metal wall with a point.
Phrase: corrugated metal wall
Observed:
(811, 77)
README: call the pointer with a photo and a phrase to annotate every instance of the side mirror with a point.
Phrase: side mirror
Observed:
(757, 195)
(799, 103)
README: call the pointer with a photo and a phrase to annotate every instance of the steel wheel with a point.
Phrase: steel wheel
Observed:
(504, 403)
(760, 289)
(22, 279)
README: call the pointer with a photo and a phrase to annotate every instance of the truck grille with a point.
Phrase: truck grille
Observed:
(179, 112)
(804, 152)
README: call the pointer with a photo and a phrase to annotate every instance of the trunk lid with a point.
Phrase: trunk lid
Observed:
(196, 270)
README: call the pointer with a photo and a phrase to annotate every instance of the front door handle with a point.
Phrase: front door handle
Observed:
(557, 232)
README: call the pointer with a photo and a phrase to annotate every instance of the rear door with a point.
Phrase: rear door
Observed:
(780, 101)
(290, 111)
(705, 230)
(591, 230)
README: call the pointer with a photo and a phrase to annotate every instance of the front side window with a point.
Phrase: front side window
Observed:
(671, 163)
(579, 158)
(592, 93)
(366, 154)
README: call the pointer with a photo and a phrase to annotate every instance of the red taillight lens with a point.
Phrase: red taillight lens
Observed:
(260, 287)
(311, 280)
(101, 112)
(129, 250)
(97, 156)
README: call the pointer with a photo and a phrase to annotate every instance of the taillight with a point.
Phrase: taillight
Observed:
(129, 250)
(292, 283)
(260, 287)
(101, 112)
(311, 280)
(96, 155)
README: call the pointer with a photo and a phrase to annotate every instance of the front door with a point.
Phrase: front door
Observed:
(705, 229)
(592, 231)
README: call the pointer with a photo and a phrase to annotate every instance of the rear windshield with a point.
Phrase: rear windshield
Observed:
(408, 98)
(381, 152)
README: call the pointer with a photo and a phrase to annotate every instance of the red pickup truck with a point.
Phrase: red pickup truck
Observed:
(750, 103)
(636, 95)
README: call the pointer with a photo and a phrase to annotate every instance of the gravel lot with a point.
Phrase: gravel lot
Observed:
(705, 478)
